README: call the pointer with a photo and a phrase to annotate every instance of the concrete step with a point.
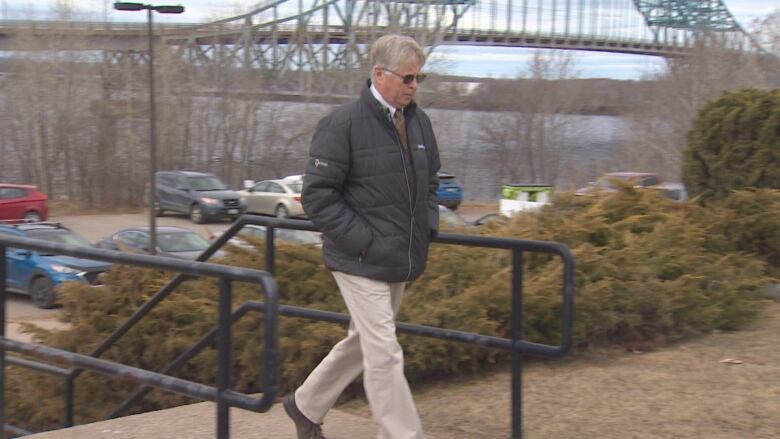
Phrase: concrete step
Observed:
(198, 421)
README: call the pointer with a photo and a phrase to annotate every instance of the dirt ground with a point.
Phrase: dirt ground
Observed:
(719, 386)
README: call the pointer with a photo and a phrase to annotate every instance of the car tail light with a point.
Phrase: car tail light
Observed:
(297, 198)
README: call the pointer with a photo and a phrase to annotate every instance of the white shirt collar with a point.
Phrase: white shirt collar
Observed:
(382, 100)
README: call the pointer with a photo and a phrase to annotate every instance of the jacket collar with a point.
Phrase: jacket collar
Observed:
(377, 108)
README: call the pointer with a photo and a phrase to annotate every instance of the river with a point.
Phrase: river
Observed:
(589, 146)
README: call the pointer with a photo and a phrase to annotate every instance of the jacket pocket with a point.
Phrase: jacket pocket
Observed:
(420, 155)
(382, 251)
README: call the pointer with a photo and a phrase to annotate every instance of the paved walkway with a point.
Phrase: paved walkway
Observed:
(198, 421)
(13, 330)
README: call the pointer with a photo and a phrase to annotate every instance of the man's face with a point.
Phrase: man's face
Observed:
(391, 84)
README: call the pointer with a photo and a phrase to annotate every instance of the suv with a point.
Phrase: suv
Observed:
(200, 195)
(449, 193)
(38, 274)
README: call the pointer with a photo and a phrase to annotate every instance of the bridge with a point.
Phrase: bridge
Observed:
(320, 35)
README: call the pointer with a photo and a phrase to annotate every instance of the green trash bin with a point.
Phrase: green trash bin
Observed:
(541, 193)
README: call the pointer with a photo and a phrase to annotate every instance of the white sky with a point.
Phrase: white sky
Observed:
(474, 61)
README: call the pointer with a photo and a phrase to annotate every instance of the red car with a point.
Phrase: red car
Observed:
(22, 203)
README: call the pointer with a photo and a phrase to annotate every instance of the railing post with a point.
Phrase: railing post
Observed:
(270, 252)
(69, 383)
(517, 335)
(2, 334)
(223, 358)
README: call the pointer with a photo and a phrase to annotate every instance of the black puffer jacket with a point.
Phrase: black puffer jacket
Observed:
(358, 190)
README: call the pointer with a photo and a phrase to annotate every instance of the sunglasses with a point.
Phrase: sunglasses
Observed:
(407, 79)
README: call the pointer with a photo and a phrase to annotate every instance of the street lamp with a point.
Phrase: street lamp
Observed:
(130, 6)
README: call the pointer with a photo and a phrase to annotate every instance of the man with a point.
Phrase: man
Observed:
(370, 187)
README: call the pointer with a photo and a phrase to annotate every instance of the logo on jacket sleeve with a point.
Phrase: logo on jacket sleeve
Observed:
(421, 147)
(318, 163)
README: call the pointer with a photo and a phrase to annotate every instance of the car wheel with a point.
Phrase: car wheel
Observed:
(42, 292)
(281, 211)
(32, 217)
(196, 214)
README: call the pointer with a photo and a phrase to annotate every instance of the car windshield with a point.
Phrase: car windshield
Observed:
(605, 183)
(59, 236)
(304, 237)
(173, 242)
(608, 182)
(206, 183)
(451, 219)
(295, 186)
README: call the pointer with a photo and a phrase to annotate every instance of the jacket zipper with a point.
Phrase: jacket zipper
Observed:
(411, 202)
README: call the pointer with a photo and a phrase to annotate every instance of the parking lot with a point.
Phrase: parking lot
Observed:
(93, 227)
(96, 227)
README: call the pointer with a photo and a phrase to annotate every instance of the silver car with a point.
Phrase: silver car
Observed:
(176, 242)
(289, 236)
(281, 198)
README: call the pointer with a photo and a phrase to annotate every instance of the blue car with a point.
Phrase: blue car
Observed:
(38, 274)
(450, 193)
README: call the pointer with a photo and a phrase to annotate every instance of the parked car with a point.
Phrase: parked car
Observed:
(449, 192)
(673, 191)
(606, 183)
(22, 203)
(281, 198)
(37, 273)
(200, 195)
(449, 219)
(176, 242)
(290, 236)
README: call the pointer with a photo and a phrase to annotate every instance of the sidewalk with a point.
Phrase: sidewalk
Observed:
(198, 421)
(14, 330)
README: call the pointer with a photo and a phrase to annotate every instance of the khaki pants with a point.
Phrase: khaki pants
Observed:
(370, 347)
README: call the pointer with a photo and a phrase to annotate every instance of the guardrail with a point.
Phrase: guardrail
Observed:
(515, 344)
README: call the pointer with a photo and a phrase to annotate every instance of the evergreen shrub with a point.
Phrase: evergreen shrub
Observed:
(647, 272)
(734, 144)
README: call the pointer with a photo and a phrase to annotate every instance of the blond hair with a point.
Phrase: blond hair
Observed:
(390, 51)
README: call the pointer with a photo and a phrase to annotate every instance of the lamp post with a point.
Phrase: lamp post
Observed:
(130, 6)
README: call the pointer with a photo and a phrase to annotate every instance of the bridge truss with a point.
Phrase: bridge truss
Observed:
(281, 36)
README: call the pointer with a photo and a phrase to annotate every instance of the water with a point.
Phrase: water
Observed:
(588, 147)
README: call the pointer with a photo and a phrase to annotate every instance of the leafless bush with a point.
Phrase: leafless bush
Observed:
(660, 124)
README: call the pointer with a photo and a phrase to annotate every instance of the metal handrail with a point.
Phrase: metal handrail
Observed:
(516, 345)
(221, 394)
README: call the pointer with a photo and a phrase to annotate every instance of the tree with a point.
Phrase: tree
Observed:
(658, 127)
(529, 135)
(766, 31)
(734, 144)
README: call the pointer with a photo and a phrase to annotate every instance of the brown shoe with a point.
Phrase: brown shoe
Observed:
(305, 428)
